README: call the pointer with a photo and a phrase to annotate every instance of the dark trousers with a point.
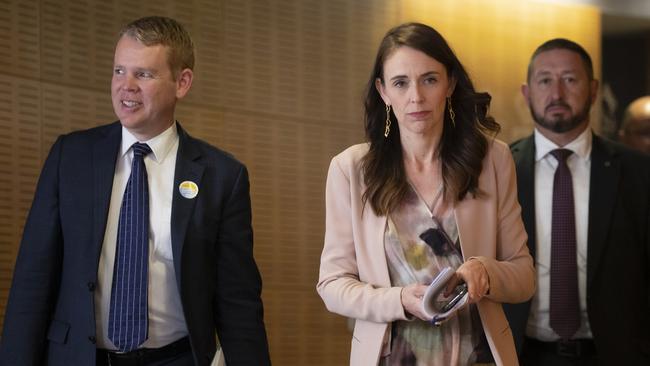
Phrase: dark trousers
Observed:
(178, 353)
(575, 353)
(181, 360)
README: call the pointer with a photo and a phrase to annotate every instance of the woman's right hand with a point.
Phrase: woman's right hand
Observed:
(412, 300)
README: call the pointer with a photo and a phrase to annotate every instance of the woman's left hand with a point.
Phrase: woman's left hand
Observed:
(475, 276)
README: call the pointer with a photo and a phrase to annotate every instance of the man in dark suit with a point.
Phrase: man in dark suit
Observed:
(586, 207)
(138, 245)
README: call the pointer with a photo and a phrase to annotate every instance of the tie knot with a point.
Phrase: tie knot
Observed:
(140, 149)
(561, 154)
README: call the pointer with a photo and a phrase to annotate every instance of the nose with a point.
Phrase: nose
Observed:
(557, 90)
(415, 94)
(129, 83)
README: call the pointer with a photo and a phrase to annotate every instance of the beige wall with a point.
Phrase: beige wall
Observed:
(279, 84)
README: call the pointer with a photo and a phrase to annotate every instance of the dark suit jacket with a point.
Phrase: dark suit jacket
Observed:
(50, 313)
(618, 249)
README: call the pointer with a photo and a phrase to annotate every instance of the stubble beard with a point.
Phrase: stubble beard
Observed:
(560, 124)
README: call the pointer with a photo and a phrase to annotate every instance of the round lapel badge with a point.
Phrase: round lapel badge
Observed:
(188, 189)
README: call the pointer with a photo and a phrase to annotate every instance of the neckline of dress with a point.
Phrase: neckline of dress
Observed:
(434, 203)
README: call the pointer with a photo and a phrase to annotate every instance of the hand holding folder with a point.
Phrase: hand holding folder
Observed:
(439, 307)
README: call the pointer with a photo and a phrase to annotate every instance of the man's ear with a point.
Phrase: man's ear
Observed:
(184, 82)
(593, 86)
(382, 91)
(525, 92)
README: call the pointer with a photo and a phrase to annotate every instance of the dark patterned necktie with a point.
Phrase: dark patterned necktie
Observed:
(565, 301)
(128, 316)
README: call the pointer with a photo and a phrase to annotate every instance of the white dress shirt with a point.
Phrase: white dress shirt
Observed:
(166, 320)
(545, 164)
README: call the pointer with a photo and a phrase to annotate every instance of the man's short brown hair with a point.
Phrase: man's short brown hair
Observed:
(157, 30)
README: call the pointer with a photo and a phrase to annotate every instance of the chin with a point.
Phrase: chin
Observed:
(129, 123)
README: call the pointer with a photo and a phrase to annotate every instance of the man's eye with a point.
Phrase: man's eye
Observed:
(117, 71)
(144, 75)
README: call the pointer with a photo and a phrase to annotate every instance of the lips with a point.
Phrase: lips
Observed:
(130, 103)
(418, 115)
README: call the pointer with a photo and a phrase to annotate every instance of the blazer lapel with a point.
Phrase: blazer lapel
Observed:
(524, 156)
(182, 208)
(381, 274)
(471, 236)
(605, 174)
(104, 155)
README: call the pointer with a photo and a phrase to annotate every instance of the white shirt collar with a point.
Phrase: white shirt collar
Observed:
(160, 145)
(581, 146)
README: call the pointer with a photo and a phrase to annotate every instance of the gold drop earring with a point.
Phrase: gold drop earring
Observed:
(387, 129)
(452, 115)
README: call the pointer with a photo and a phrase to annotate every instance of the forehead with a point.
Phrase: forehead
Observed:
(406, 60)
(640, 109)
(558, 61)
(130, 50)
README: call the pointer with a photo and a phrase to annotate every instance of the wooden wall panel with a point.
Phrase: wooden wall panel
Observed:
(19, 45)
(70, 108)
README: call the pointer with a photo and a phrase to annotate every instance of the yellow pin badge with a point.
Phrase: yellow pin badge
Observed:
(188, 189)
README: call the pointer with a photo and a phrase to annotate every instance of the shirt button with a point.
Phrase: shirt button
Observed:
(92, 339)
(91, 286)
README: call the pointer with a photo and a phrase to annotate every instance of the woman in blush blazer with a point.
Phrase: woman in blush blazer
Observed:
(432, 190)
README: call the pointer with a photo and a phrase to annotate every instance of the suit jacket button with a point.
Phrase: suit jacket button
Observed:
(91, 286)
(92, 339)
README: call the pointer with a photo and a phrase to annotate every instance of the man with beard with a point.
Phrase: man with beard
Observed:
(586, 207)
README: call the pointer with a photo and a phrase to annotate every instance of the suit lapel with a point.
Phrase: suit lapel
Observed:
(104, 155)
(605, 174)
(187, 169)
(524, 155)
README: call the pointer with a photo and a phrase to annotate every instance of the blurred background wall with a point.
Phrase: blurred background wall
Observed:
(278, 83)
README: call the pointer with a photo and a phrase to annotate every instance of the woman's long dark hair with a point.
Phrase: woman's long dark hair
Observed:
(463, 145)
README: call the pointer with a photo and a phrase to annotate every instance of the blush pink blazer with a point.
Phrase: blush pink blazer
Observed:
(354, 279)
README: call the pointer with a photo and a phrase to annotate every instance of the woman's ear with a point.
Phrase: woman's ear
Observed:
(452, 86)
(379, 85)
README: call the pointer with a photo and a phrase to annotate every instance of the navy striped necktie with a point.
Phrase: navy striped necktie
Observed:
(565, 301)
(128, 316)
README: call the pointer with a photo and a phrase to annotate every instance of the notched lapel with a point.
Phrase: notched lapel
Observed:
(187, 169)
(605, 175)
(104, 152)
(380, 223)
(472, 232)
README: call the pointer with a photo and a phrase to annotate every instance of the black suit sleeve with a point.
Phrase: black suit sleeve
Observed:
(37, 273)
(239, 311)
